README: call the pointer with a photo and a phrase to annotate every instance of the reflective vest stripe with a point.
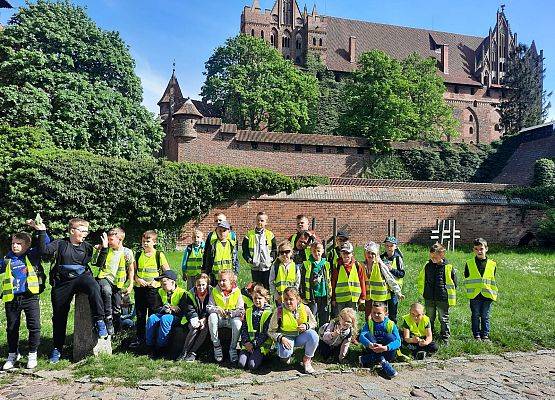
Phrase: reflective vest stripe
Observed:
(7, 281)
(417, 329)
(193, 266)
(226, 303)
(121, 276)
(147, 272)
(347, 288)
(376, 286)
(285, 279)
(175, 299)
(264, 347)
(476, 284)
(449, 284)
(223, 256)
(308, 272)
(289, 323)
(251, 235)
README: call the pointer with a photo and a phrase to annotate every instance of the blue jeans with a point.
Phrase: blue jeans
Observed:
(308, 339)
(480, 309)
(371, 358)
(159, 326)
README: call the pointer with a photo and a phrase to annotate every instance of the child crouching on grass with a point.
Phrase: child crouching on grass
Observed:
(417, 332)
(380, 338)
(336, 336)
(255, 342)
(292, 325)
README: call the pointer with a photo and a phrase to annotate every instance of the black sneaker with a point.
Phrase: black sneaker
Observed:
(420, 355)
(110, 326)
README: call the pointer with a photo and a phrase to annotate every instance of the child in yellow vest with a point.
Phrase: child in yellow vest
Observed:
(417, 332)
(481, 288)
(259, 250)
(191, 263)
(284, 273)
(226, 310)
(21, 281)
(316, 283)
(160, 324)
(347, 281)
(292, 325)
(117, 269)
(255, 342)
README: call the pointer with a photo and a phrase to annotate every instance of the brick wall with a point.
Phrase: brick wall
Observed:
(497, 223)
(214, 147)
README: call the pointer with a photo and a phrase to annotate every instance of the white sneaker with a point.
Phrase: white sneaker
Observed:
(32, 360)
(11, 360)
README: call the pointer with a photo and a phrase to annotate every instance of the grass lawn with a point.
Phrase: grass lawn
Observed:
(520, 320)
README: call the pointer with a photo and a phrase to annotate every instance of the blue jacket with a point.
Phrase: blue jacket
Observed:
(380, 335)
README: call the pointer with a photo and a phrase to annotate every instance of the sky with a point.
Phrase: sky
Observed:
(188, 31)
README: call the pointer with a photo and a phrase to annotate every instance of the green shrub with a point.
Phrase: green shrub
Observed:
(137, 195)
(544, 172)
(546, 231)
(544, 195)
(387, 167)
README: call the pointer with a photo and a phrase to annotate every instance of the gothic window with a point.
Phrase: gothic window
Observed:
(320, 43)
(274, 38)
(471, 131)
(314, 41)
(287, 13)
(456, 89)
(286, 40)
(287, 57)
(252, 32)
(298, 42)
(502, 46)
(486, 79)
(475, 104)
(470, 118)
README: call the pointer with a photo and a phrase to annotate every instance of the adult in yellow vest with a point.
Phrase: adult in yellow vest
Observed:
(284, 273)
(191, 263)
(293, 325)
(21, 276)
(260, 250)
(220, 252)
(255, 342)
(194, 307)
(381, 285)
(334, 253)
(347, 282)
(393, 260)
(159, 325)
(417, 332)
(301, 248)
(437, 283)
(117, 269)
(226, 310)
(481, 288)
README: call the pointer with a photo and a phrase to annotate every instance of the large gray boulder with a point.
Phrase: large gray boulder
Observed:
(85, 340)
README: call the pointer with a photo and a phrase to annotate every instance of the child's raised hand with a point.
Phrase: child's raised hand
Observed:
(32, 223)
(104, 239)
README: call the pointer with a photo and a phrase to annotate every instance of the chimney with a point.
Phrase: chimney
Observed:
(445, 58)
(352, 49)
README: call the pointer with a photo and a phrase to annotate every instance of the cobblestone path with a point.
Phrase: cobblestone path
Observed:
(511, 376)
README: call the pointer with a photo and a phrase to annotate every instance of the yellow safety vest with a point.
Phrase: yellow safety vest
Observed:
(121, 273)
(247, 300)
(449, 284)
(376, 286)
(289, 323)
(223, 255)
(251, 235)
(418, 330)
(476, 284)
(389, 325)
(7, 282)
(226, 303)
(174, 301)
(307, 283)
(293, 240)
(394, 266)
(284, 280)
(347, 289)
(193, 267)
(267, 345)
(148, 269)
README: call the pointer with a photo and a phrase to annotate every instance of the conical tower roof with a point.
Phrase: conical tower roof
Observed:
(177, 95)
(188, 109)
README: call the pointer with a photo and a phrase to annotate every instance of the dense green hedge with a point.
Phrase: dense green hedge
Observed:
(544, 172)
(441, 161)
(138, 195)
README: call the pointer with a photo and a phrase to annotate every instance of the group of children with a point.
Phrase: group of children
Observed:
(299, 295)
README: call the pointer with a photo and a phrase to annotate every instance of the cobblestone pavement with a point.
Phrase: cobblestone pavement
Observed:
(511, 376)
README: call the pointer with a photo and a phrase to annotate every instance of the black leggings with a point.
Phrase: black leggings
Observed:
(147, 302)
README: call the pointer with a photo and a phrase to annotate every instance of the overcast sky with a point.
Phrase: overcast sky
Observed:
(188, 31)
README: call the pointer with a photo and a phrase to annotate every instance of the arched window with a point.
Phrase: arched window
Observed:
(314, 41)
(320, 43)
(471, 131)
(286, 40)
(252, 32)
(470, 118)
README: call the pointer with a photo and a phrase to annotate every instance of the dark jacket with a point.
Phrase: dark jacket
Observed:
(210, 253)
(191, 309)
(434, 281)
(398, 272)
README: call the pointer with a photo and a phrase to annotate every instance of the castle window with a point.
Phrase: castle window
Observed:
(254, 145)
(262, 34)
(471, 131)
(252, 32)
(360, 150)
(298, 44)
(314, 41)
(285, 41)
(319, 149)
(475, 104)
(496, 127)
(340, 150)
(276, 146)
(456, 89)
(320, 43)
(298, 147)
(470, 118)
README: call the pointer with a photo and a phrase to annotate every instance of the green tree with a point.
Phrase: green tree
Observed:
(434, 118)
(388, 100)
(61, 72)
(324, 117)
(252, 85)
(526, 103)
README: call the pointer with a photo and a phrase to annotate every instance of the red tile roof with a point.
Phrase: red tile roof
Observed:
(399, 42)
(299, 138)
(483, 187)
(188, 109)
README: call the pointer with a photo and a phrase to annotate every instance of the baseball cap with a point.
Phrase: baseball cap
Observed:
(391, 239)
(223, 224)
(343, 234)
(347, 247)
(167, 274)
(372, 247)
